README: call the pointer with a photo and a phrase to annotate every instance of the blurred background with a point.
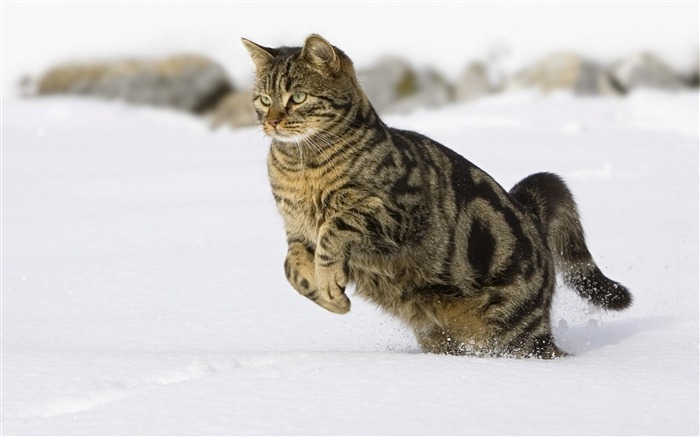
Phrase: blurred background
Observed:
(410, 55)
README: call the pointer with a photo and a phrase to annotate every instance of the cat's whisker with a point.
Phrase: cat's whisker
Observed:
(318, 148)
(299, 143)
(349, 121)
(330, 138)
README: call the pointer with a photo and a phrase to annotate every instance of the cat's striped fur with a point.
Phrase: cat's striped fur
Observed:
(421, 231)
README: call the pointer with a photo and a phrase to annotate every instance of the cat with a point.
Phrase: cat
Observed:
(421, 231)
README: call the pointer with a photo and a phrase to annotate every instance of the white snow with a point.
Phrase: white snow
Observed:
(143, 289)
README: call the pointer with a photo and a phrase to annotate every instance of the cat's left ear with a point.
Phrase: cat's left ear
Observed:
(321, 53)
(262, 56)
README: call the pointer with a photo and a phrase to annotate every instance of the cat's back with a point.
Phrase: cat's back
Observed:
(425, 150)
(445, 169)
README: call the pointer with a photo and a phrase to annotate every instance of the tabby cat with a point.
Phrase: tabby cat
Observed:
(422, 232)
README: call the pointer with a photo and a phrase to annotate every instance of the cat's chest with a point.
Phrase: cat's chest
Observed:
(301, 198)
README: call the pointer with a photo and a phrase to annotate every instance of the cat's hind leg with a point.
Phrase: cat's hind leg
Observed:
(462, 328)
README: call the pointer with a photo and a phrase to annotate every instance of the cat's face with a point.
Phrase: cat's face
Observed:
(302, 92)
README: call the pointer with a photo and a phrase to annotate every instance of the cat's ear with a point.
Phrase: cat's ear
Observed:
(262, 56)
(321, 53)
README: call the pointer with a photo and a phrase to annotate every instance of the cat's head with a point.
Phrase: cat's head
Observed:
(302, 91)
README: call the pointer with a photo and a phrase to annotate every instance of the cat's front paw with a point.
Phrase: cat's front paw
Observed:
(331, 289)
(339, 304)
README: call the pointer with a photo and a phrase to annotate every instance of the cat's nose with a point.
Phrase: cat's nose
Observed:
(273, 122)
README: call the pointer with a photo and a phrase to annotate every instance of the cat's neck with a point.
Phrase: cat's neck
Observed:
(313, 151)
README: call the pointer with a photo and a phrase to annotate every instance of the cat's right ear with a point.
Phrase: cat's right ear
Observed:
(262, 56)
(321, 53)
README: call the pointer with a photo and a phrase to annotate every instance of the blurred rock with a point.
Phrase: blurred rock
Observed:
(431, 90)
(236, 110)
(392, 85)
(693, 79)
(565, 71)
(198, 84)
(645, 70)
(387, 82)
(187, 82)
(473, 83)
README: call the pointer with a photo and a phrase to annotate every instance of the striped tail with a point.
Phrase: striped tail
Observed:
(548, 197)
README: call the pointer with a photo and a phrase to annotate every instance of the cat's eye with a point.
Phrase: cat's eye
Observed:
(298, 97)
(266, 100)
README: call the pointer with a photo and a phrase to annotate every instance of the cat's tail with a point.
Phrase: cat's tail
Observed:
(548, 197)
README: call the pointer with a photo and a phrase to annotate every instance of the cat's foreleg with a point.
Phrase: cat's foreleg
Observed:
(301, 274)
(360, 227)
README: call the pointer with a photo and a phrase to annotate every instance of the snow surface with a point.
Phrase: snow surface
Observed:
(143, 289)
